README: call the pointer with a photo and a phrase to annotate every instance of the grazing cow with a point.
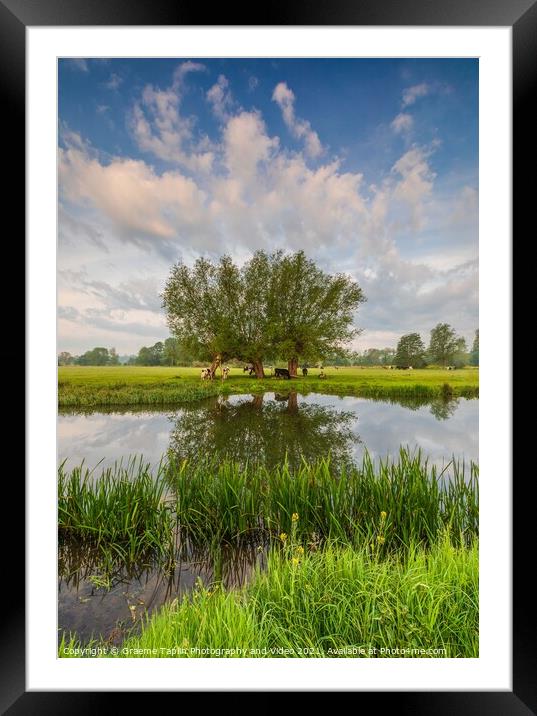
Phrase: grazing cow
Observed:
(282, 373)
(206, 374)
(403, 367)
(248, 369)
(322, 374)
(304, 371)
(225, 372)
(451, 367)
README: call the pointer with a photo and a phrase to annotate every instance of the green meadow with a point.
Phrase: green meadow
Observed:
(92, 386)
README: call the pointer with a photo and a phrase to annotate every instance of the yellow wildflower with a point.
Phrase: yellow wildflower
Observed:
(294, 517)
(380, 539)
(300, 549)
(295, 560)
(383, 515)
(283, 536)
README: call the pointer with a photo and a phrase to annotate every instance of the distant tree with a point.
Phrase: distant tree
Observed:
(113, 358)
(410, 351)
(65, 358)
(474, 354)
(96, 356)
(461, 357)
(443, 345)
(152, 355)
(377, 356)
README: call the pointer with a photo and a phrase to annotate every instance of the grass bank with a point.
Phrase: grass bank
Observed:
(132, 385)
(338, 602)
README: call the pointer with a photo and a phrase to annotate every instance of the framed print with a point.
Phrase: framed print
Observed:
(259, 262)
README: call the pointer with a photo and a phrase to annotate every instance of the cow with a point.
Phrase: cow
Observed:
(282, 373)
(322, 374)
(304, 371)
(225, 372)
(248, 369)
(206, 374)
(403, 367)
(451, 367)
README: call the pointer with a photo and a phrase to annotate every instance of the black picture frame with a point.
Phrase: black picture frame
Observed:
(521, 15)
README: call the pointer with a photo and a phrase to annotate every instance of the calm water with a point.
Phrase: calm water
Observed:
(264, 428)
(267, 427)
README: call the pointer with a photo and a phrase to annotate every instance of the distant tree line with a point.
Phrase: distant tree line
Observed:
(445, 348)
(96, 356)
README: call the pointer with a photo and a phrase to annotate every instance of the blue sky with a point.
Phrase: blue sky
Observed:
(369, 165)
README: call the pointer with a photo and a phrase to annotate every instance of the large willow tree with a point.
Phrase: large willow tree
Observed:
(275, 304)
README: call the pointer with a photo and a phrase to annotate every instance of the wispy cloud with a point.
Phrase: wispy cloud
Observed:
(411, 94)
(78, 64)
(403, 122)
(159, 128)
(299, 128)
(114, 81)
(221, 99)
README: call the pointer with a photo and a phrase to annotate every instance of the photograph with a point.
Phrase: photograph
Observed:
(267, 282)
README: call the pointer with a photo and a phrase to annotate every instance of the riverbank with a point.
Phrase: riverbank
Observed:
(338, 602)
(87, 387)
(372, 559)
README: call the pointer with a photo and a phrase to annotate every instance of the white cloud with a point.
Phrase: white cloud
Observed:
(299, 128)
(159, 128)
(139, 205)
(402, 123)
(411, 94)
(415, 183)
(220, 98)
(114, 81)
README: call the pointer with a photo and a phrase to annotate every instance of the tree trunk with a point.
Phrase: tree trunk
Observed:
(215, 364)
(257, 402)
(292, 405)
(258, 368)
(292, 366)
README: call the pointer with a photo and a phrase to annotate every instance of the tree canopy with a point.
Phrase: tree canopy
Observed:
(410, 351)
(444, 344)
(275, 304)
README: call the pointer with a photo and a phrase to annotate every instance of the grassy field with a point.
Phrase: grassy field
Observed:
(338, 602)
(132, 385)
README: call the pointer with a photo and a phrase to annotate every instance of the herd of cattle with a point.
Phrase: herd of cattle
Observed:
(207, 374)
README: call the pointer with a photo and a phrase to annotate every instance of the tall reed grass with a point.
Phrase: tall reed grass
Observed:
(400, 502)
(124, 509)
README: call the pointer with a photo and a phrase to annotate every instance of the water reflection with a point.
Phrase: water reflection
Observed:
(256, 430)
(251, 428)
(266, 427)
(109, 600)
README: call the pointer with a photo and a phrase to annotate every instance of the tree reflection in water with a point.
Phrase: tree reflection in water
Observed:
(259, 429)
